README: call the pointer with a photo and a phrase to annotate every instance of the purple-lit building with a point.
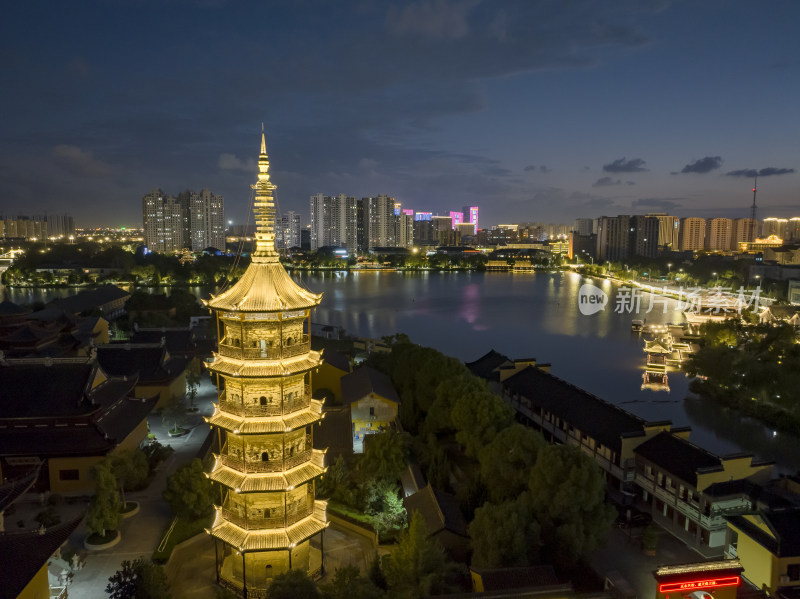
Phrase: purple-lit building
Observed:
(471, 216)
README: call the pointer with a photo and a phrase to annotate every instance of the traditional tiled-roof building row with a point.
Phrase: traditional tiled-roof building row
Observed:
(696, 495)
(67, 414)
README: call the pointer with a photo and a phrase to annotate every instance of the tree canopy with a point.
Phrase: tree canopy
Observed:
(105, 506)
(189, 493)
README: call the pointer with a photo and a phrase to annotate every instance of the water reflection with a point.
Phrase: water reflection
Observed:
(525, 315)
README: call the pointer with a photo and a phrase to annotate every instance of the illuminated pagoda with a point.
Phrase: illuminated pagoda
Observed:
(267, 521)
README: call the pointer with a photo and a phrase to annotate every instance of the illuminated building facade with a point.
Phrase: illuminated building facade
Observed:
(719, 233)
(267, 521)
(693, 233)
(744, 231)
(471, 217)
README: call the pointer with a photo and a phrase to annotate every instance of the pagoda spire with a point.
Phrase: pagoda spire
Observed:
(264, 209)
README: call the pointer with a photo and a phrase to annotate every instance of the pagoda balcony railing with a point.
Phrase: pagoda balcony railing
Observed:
(237, 463)
(320, 510)
(265, 353)
(256, 410)
(297, 459)
(252, 523)
(296, 516)
(246, 466)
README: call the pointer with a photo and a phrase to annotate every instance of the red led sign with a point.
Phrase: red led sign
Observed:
(694, 585)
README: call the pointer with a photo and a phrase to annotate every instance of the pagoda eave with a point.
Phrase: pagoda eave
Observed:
(263, 368)
(281, 424)
(272, 539)
(242, 482)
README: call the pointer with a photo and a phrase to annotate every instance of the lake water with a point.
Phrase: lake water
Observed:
(529, 316)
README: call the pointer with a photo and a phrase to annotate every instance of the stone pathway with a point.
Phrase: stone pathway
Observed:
(142, 533)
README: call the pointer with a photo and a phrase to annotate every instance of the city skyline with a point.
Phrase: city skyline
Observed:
(532, 111)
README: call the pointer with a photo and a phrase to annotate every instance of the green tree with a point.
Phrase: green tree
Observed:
(347, 583)
(507, 460)
(193, 377)
(567, 497)
(505, 534)
(189, 492)
(478, 417)
(294, 584)
(384, 456)
(336, 483)
(104, 508)
(417, 565)
(130, 468)
(384, 503)
(175, 412)
(140, 579)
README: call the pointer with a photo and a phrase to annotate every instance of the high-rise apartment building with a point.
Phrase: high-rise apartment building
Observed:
(643, 240)
(744, 231)
(335, 221)
(719, 234)
(204, 214)
(583, 226)
(194, 220)
(288, 230)
(471, 216)
(775, 226)
(33, 229)
(619, 237)
(613, 238)
(693, 233)
(794, 229)
(405, 230)
(60, 226)
(379, 222)
(669, 228)
(162, 219)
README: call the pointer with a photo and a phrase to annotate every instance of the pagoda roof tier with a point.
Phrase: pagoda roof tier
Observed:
(264, 287)
(273, 481)
(270, 539)
(248, 425)
(264, 368)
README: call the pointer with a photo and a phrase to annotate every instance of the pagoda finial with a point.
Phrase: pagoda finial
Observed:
(264, 208)
(263, 140)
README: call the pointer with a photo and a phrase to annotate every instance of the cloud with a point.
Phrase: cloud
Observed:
(764, 172)
(606, 182)
(634, 165)
(433, 19)
(703, 165)
(661, 204)
(532, 168)
(230, 162)
(79, 162)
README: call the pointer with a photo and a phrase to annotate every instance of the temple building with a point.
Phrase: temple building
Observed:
(267, 521)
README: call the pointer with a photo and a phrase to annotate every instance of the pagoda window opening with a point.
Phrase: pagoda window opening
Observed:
(262, 400)
(265, 456)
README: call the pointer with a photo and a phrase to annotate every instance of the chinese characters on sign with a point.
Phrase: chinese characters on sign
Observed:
(718, 300)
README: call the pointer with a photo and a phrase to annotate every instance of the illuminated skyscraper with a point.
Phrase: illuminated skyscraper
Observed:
(267, 521)
(471, 216)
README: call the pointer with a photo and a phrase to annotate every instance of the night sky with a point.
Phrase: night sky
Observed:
(533, 110)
